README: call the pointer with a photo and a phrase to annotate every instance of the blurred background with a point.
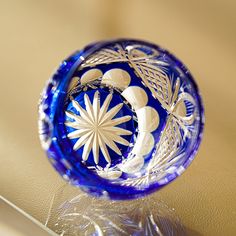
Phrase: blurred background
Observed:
(36, 35)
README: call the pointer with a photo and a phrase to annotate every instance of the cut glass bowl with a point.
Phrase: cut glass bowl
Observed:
(121, 119)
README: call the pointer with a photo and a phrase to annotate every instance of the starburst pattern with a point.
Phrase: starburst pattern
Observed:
(95, 127)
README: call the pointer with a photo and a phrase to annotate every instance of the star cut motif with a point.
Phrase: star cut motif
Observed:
(95, 127)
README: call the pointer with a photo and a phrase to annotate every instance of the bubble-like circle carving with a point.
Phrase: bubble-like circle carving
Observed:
(121, 119)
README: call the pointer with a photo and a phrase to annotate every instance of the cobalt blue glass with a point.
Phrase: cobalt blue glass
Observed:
(121, 119)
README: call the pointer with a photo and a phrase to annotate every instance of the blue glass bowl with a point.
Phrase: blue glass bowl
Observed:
(121, 119)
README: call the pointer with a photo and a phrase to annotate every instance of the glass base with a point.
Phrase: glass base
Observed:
(73, 212)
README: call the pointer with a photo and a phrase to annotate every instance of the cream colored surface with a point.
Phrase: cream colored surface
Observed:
(36, 35)
(15, 222)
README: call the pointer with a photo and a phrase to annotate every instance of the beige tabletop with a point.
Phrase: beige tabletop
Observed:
(15, 222)
(37, 35)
